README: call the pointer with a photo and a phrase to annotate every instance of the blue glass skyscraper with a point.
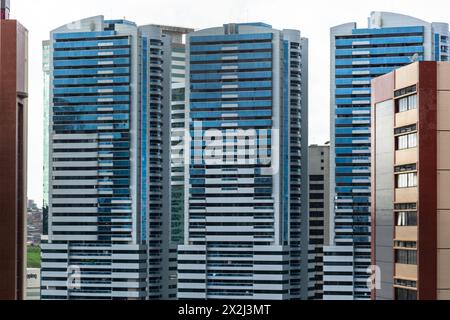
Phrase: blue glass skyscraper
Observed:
(109, 161)
(357, 56)
(246, 178)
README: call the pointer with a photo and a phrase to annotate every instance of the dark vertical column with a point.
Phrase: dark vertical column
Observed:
(13, 158)
(9, 221)
(21, 200)
(427, 209)
(304, 169)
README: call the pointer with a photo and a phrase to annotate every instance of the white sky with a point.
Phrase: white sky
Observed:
(312, 17)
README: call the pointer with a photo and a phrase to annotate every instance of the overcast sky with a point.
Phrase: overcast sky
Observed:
(312, 17)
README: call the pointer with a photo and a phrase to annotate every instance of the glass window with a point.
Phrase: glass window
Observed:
(407, 129)
(407, 103)
(403, 105)
(407, 141)
(406, 283)
(401, 219)
(412, 102)
(402, 142)
(412, 179)
(405, 168)
(406, 257)
(402, 181)
(406, 219)
(412, 140)
(406, 244)
(405, 294)
(405, 206)
(407, 180)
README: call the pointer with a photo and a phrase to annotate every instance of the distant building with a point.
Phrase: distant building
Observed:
(34, 223)
(109, 177)
(13, 154)
(246, 199)
(178, 118)
(46, 160)
(33, 284)
(319, 215)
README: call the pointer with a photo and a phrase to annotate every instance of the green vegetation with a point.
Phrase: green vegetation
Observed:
(34, 257)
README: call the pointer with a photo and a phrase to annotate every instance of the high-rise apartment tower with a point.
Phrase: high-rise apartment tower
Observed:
(109, 160)
(246, 178)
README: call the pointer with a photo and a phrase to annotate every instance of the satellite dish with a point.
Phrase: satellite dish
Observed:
(415, 57)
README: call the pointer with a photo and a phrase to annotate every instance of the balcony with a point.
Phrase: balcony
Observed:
(406, 271)
(406, 156)
(406, 118)
(406, 233)
(406, 195)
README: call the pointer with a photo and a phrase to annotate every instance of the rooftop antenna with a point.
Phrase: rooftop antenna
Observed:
(4, 9)
(414, 58)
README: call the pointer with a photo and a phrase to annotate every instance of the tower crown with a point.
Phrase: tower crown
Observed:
(4, 9)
